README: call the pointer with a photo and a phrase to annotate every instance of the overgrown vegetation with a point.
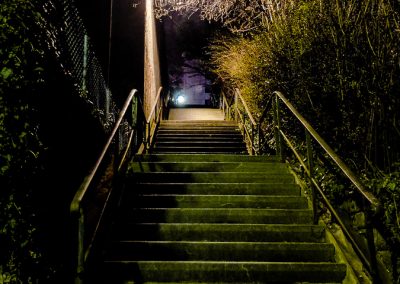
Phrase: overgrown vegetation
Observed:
(21, 81)
(339, 63)
(44, 128)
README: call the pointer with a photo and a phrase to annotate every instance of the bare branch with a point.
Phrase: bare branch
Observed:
(237, 15)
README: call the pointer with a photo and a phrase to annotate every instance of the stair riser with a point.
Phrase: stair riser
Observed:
(282, 252)
(265, 168)
(199, 150)
(198, 127)
(200, 177)
(197, 144)
(222, 232)
(184, 201)
(198, 122)
(197, 131)
(217, 215)
(208, 158)
(227, 272)
(215, 188)
(200, 138)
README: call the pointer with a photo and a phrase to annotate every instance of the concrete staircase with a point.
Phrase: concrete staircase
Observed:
(208, 136)
(215, 218)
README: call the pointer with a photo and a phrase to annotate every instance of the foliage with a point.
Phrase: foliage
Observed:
(21, 79)
(387, 188)
(322, 54)
(338, 62)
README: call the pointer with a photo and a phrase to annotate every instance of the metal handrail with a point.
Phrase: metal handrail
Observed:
(346, 170)
(373, 204)
(156, 101)
(76, 209)
(225, 106)
(154, 117)
(246, 107)
(75, 204)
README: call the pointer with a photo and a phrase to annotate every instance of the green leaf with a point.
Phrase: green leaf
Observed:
(6, 72)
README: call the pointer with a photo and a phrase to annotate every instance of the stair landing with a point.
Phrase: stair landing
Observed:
(195, 114)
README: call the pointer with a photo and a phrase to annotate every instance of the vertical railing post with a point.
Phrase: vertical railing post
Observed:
(148, 131)
(135, 108)
(311, 171)
(252, 139)
(259, 141)
(81, 248)
(236, 106)
(222, 104)
(371, 242)
(278, 139)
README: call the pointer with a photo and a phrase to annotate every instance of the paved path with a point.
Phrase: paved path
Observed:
(195, 114)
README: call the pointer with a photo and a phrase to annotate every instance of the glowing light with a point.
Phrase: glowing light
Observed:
(180, 99)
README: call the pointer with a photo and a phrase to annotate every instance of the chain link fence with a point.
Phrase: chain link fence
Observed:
(84, 66)
(68, 39)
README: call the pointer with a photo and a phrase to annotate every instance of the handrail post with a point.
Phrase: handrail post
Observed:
(81, 249)
(148, 133)
(259, 138)
(236, 106)
(252, 140)
(371, 242)
(278, 139)
(311, 171)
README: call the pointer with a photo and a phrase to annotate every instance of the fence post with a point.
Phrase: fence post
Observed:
(311, 170)
(85, 62)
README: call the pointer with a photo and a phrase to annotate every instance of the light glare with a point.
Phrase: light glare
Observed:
(180, 99)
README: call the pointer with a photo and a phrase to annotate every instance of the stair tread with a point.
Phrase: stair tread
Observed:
(222, 231)
(210, 158)
(198, 210)
(243, 271)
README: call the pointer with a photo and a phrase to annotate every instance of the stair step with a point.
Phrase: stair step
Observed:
(265, 168)
(217, 188)
(213, 271)
(197, 144)
(216, 201)
(208, 137)
(204, 158)
(199, 126)
(197, 131)
(218, 215)
(221, 232)
(198, 122)
(232, 251)
(199, 149)
(210, 177)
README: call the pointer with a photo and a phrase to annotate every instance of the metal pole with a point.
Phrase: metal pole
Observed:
(311, 171)
(110, 41)
(236, 106)
(252, 139)
(81, 248)
(85, 61)
(278, 139)
(371, 243)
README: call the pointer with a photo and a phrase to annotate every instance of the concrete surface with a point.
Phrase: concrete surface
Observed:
(195, 114)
